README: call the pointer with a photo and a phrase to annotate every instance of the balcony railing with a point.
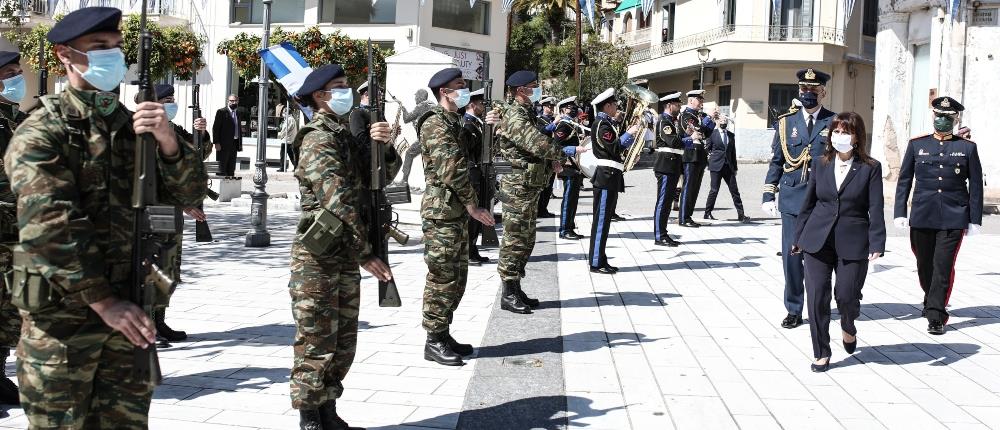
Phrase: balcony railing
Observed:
(742, 33)
(636, 37)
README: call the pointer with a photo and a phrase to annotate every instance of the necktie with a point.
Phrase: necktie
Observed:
(809, 125)
(236, 125)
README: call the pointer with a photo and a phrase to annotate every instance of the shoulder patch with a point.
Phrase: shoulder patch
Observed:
(607, 136)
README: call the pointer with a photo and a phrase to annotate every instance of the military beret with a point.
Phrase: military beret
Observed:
(318, 78)
(442, 78)
(479, 94)
(946, 105)
(696, 93)
(600, 98)
(82, 22)
(672, 97)
(521, 78)
(812, 77)
(9, 57)
(163, 91)
(363, 88)
(566, 101)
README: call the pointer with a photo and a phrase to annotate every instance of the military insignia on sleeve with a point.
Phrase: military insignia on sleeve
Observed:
(608, 136)
(560, 134)
(825, 132)
(668, 130)
(795, 132)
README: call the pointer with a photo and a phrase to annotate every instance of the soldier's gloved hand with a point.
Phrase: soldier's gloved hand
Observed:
(126, 317)
(493, 117)
(379, 132)
(195, 213)
(972, 230)
(200, 124)
(769, 208)
(150, 117)
(901, 223)
(377, 268)
(479, 214)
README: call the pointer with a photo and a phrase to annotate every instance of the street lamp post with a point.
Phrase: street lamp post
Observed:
(703, 54)
(258, 236)
(579, 77)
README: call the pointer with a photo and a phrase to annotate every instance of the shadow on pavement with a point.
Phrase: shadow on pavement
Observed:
(689, 265)
(578, 342)
(911, 353)
(729, 240)
(625, 298)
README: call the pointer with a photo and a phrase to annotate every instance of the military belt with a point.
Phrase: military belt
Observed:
(671, 150)
(611, 164)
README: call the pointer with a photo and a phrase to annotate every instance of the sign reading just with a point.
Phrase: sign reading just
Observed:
(471, 63)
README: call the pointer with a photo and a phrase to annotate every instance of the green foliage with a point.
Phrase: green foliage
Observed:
(607, 66)
(521, 51)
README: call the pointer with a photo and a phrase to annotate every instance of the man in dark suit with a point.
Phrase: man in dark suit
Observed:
(722, 165)
(800, 136)
(228, 135)
(947, 205)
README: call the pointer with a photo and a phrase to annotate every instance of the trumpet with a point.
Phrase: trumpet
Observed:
(580, 127)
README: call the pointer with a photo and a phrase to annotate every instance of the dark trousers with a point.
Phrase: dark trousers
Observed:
(936, 252)
(728, 175)
(226, 156)
(850, 275)
(693, 173)
(792, 265)
(666, 187)
(545, 195)
(605, 202)
(570, 200)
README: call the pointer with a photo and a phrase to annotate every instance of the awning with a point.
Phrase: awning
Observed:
(627, 4)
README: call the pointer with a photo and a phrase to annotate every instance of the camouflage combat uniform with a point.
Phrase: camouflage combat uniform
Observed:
(530, 154)
(71, 169)
(325, 289)
(187, 139)
(445, 219)
(10, 320)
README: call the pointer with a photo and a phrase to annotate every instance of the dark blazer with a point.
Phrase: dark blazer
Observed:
(668, 138)
(791, 185)
(222, 127)
(948, 194)
(607, 146)
(853, 214)
(718, 155)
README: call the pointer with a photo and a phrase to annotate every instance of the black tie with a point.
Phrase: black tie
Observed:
(809, 125)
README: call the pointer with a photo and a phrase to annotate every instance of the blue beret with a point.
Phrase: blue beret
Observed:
(318, 78)
(163, 91)
(442, 78)
(83, 22)
(521, 78)
(9, 57)
(812, 77)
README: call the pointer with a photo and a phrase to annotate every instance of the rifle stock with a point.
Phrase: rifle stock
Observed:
(487, 186)
(380, 209)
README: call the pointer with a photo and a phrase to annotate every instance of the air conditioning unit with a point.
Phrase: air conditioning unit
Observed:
(710, 75)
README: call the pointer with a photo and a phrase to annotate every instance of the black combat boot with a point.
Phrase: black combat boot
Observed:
(511, 301)
(309, 419)
(332, 421)
(8, 391)
(437, 350)
(532, 303)
(462, 349)
(164, 331)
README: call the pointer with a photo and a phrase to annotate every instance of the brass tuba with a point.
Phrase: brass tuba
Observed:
(637, 100)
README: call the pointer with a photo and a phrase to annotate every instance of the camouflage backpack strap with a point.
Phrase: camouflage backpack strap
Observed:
(423, 117)
(72, 147)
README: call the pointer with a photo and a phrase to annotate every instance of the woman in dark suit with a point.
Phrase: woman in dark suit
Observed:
(841, 229)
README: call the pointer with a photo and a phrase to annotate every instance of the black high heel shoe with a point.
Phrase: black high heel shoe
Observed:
(820, 368)
(850, 347)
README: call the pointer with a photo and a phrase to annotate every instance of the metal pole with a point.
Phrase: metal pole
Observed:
(258, 235)
(579, 38)
(701, 79)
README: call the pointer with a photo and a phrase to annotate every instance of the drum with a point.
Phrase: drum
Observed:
(587, 161)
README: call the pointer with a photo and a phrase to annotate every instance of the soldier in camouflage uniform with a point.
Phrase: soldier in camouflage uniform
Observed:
(448, 201)
(10, 321)
(533, 157)
(71, 165)
(330, 244)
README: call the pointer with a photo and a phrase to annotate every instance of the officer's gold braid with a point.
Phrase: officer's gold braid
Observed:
(792, 163)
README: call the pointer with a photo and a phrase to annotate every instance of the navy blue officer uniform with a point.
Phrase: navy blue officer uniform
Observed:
(567, 135)
(695, 158)
(609, 147)
(947, 203)
(667, 167)
(472, 140)
(546, 126)
(799, 138)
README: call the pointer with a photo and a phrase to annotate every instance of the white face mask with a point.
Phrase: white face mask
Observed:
(843, 143)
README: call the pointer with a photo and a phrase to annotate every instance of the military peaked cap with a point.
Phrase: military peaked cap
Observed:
(812, 77)
(696, 93)
(318, 78)
(673, 97)
(521, 78)
(9, 57)
(600, 98)
(83, 22)
(946, 105)
(479, 94)
(442, 78)
(566, 101)
(363, 88)
(163, 91)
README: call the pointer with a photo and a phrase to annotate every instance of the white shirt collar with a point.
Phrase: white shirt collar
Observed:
(844, 163)
(815, 115)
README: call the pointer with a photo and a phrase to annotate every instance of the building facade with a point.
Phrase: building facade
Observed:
(754, 48)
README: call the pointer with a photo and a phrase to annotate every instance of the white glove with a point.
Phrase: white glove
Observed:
(770, 208)
(972, 230)
(901, 223)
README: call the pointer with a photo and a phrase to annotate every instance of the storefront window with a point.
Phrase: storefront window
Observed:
(252, 11)
(457, 15)
(358, 12)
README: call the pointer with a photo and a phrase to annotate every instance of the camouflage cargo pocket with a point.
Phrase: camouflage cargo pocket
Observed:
(29, 290)
(440, 203)
(537, 175)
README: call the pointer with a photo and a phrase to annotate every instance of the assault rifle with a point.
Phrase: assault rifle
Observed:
(382, 197)
(487, 186)
(43, 71)
(201, 231)
(151, 223)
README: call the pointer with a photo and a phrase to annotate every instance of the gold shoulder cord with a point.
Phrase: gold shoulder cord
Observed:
(793, 163)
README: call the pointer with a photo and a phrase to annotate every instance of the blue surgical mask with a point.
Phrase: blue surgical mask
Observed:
(13, 88)
(341, 100)
(463, 97)
(105, 68)
(171, 109)
(536, 94)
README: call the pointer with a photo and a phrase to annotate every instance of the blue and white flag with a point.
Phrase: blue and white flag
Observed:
(587, 6)
(287, 66)
(647, 6)
(849, 10)
(507, 6)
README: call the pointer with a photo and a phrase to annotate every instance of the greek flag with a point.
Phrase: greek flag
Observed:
(848, 9)
(507, 6)
(587, 7)
(647, 6)
(288, 67)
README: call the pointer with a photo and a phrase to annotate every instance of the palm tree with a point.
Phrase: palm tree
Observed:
(554, 10)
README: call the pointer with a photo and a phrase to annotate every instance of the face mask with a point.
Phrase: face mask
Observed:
(233, 105)
(944, 124)
(809, 100)
(13, 88)
(723, 126)
(843, 143)
(463, 97)
(536, 94)
(171, 109)
(105, 68)
(341, 100)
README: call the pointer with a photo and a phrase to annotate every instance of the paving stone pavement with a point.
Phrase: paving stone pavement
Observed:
(681, 338)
